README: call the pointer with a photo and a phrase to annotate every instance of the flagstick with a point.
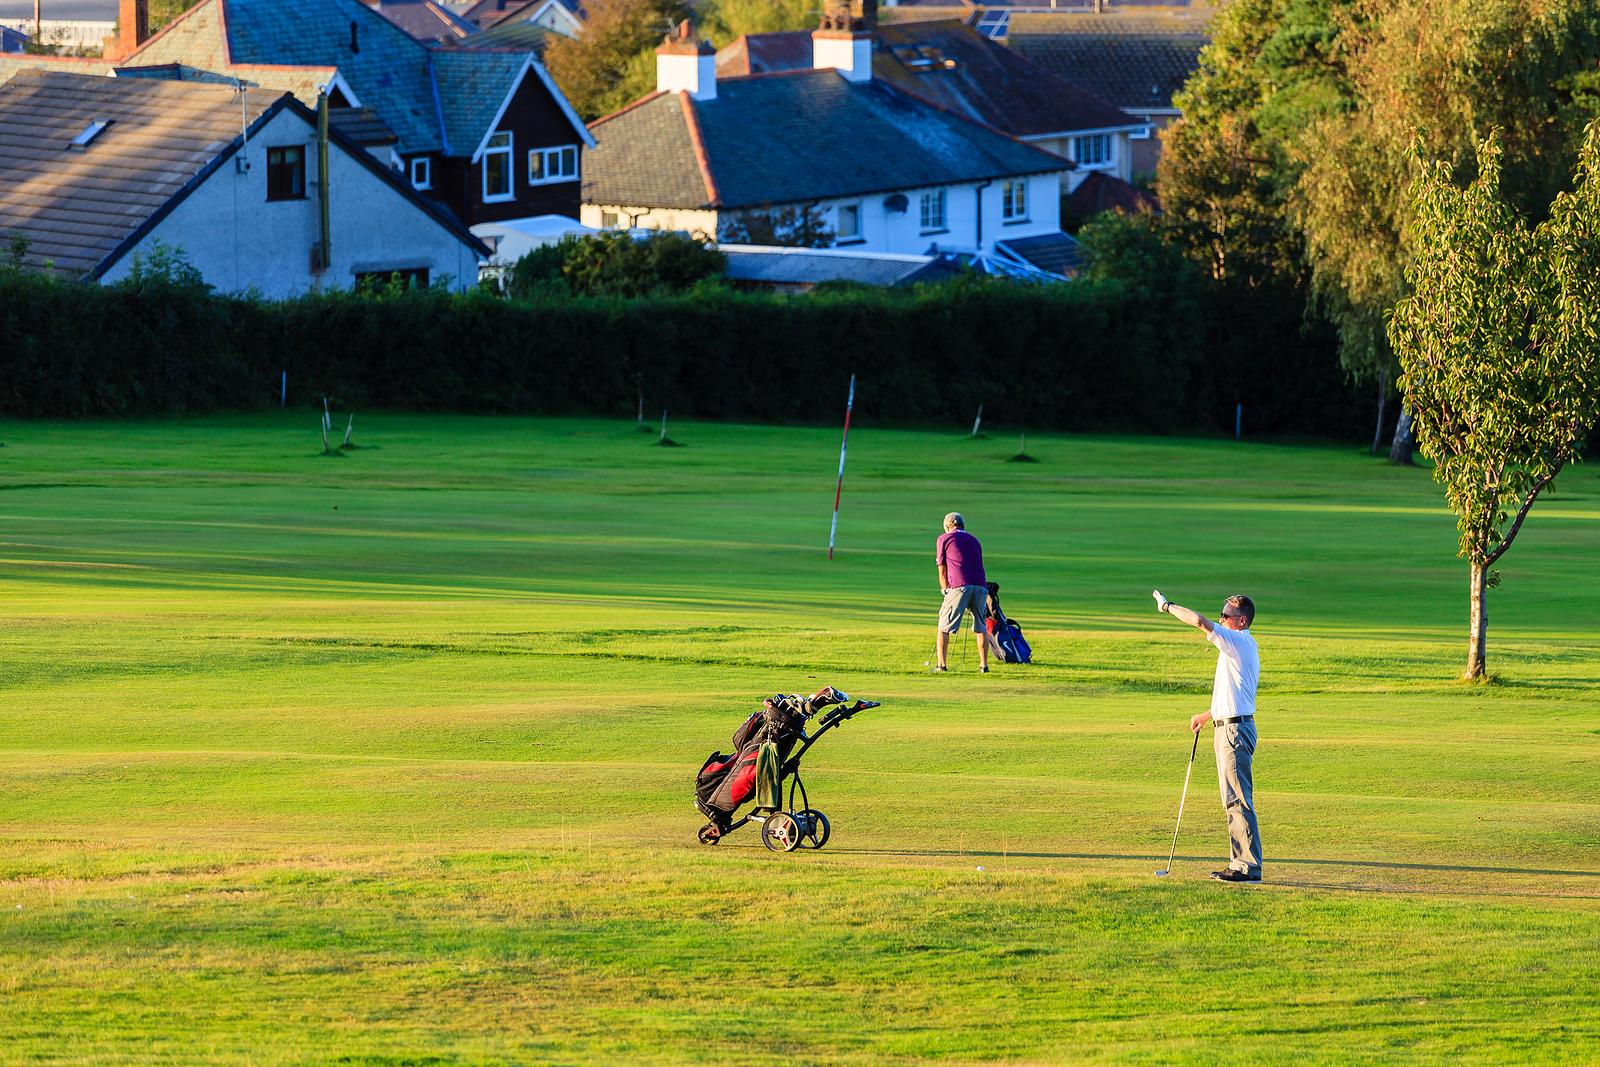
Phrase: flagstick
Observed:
(849, 405)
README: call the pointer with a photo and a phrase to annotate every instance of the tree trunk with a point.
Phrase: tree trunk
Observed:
(1400, 451)
(1383, 403)
(1478, 643)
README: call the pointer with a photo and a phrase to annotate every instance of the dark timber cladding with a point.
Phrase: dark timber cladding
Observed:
(534, 120)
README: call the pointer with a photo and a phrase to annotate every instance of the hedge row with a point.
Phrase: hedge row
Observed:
(1080, 356)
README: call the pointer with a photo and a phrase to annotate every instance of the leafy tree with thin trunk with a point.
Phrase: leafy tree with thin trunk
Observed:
(1499, 348)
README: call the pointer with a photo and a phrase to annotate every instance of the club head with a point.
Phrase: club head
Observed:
(1161, 874)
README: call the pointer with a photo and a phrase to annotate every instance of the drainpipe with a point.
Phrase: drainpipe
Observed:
(325, 242)
(979, 191)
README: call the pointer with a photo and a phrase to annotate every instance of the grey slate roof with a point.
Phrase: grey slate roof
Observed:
(75, 206)
(792, 137)
(528, 36)
(1134, 59)
(361, 124)
(952, 65)
(812, 266)
(426, 20)
(388, 69)
(472, 86)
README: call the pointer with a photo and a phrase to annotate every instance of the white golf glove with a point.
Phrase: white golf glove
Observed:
(1161, 601)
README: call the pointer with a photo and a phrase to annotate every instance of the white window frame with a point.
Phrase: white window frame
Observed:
(507, 150)
(838, 229)
(1110, 160)
(421, 170)
(1014, 201)
(548, 155)
(928, 221)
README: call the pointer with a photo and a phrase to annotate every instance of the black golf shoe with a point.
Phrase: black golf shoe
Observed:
(1231, 875)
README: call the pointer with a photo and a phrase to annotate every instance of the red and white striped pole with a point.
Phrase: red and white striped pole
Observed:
(849, 405)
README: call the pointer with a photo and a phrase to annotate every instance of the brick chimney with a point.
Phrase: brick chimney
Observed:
(133, 30)
(686, 64)
(844, 40)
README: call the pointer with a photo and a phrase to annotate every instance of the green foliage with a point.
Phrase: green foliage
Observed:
(162, 270)
(721, 21)
(1499, 343)
(539, 272)
(1500, 340)
(615, 263)
(612, 63)
(789, 227)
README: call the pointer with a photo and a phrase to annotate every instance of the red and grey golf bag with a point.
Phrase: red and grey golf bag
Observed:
(727, 781)
(1005, 636)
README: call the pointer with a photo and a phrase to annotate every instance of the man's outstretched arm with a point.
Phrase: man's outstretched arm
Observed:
(1182, 614)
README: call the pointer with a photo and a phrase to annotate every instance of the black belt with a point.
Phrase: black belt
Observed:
(1224, 722)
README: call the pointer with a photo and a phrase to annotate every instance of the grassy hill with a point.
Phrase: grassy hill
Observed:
(386, 758)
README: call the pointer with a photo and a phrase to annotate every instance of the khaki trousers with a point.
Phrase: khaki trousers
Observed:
(1235, 745)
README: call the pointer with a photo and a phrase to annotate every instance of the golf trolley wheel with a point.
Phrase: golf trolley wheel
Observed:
(710, 834)
(814, 828)
(780, 832)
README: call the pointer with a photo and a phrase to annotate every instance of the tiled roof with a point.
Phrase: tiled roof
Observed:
(956, 67)
(1134, 59)
(426, 20)
(1055, 253)
(487, 13)
(525, 36)
(949, 64)
(303, 82)
(786, 138)
(411, 87)
(12, 64)
(75, 206)
(362, 125)
(812, 266)
(472, 86)
(764, 53)
(1104, 192)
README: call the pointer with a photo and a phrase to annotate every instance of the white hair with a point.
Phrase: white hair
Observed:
(955, 519)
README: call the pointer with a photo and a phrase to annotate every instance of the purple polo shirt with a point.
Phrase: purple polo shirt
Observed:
(962, 557)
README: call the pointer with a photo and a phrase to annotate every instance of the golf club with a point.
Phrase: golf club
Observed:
(1162, 873)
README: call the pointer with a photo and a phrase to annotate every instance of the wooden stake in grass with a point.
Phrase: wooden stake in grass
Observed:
(977, 424)
(348, 428)
(665, 441)
(1022, 452)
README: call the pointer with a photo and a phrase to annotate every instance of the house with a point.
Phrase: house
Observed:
(565, 17)
(882, 170)
(951, 65)
(426, 20)
(1135, 57)
(483, 132)
(96, 173)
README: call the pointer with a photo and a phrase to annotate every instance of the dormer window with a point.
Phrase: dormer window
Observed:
(90, 132)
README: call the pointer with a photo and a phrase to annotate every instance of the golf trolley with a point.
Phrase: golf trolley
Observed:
(767, 757)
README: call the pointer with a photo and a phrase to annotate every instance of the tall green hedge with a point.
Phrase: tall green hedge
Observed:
(1089, 355)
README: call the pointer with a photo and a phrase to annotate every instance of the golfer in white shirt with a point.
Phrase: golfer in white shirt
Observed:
(1233, 721)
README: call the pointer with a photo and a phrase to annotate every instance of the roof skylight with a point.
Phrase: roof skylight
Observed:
(90, 132)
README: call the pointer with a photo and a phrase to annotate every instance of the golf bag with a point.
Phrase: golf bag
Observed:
(764, 741)
(1005, 635)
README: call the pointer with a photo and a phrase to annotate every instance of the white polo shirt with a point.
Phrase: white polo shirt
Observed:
(1233, 692)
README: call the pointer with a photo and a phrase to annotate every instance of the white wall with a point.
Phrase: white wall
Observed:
(240, 240)
(883, 230)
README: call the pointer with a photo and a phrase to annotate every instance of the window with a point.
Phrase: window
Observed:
(368, 281)
(932, 211)
(422, 173)
(847, 224)
(553, 165)
(1014, 201)
(1093, 150)
(994, 24)
(610, 220)
(497, 169)
(286, 173)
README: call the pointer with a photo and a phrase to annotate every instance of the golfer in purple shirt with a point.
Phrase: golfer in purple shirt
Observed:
(961, 579)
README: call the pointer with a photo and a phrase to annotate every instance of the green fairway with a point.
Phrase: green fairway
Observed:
(386, 757)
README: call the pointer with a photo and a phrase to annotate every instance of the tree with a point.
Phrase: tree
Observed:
(614, 263)
(612, 63)
(1499, 346)
(721, 21)
(1449, 71)
(788, 227)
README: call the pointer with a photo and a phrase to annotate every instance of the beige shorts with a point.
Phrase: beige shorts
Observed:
(960, 598)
